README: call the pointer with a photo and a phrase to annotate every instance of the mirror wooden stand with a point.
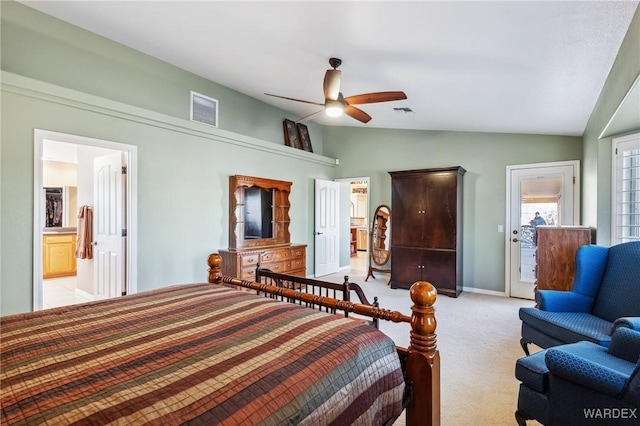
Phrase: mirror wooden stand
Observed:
(379, 239)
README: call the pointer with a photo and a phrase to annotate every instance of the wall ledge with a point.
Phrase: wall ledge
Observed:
(25, 86)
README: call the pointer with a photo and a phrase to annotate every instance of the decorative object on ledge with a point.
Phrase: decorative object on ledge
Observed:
(291, 134)
(304, 138)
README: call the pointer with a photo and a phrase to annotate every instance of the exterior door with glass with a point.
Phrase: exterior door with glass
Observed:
(537, 194)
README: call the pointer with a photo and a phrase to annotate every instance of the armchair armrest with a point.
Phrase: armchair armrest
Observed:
(625, 344)
(563, 301)
(628, 322)
(585, 372)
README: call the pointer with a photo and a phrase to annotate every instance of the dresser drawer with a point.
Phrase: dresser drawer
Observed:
(248, 273)
(276, 255)
(278, 267)
(298, 264)
(297, 253)
(249, 259)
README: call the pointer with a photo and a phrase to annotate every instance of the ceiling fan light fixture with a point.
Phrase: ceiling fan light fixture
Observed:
(334, 109)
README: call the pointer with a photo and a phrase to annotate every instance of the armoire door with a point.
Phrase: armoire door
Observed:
(406, 266)
(408, 199)
(439, 268)
(440, 230)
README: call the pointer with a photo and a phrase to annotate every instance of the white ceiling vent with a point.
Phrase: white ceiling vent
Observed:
(204, 109)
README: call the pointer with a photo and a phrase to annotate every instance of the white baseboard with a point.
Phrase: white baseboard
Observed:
(483, 291)
(84, 294)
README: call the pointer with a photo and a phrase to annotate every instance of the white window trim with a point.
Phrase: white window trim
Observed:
(628, 141)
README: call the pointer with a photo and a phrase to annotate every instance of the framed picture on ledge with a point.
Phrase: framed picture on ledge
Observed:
(305, 140)
(291, 134)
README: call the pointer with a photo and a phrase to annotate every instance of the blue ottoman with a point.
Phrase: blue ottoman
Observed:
(532, 398)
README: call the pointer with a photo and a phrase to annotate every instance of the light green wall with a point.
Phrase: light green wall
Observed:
(44, 48)
(596, 207)
(375, 152)
(183, 167)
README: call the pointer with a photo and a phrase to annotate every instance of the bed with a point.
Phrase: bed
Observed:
(209, 353)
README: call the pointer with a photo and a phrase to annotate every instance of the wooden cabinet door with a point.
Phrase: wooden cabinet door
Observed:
(440, 219)
(59, 256)
(406, 266)
(407, 194)
(440, 270)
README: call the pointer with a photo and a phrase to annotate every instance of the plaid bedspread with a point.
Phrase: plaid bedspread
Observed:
(195, 354)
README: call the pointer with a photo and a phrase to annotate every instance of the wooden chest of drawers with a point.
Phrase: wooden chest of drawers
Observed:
(556, 255)
(242, 263)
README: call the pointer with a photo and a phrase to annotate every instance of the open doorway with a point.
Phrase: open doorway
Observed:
(359, 222)
(65, 184)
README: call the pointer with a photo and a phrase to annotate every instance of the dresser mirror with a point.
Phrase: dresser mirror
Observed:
(379, 239)
(258, 212)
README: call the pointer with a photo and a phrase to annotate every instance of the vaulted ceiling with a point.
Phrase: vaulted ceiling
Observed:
(487, 66)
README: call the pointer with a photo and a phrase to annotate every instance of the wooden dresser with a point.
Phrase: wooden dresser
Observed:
(556, 255)
(284, 260)
(259, 229)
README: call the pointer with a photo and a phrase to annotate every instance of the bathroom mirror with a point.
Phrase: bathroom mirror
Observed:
(379, 239)
(258, 212)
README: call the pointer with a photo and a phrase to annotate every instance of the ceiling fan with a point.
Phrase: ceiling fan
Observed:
(335, 104)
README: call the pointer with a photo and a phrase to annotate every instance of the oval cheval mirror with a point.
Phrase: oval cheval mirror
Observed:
(379, 239)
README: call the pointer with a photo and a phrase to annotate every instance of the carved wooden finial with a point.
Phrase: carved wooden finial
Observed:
(423, 321)
(215, 268)
(424, 373)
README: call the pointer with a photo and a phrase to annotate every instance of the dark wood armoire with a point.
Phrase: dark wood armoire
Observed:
(426, 242)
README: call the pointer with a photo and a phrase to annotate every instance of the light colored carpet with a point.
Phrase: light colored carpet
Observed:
(478, 339)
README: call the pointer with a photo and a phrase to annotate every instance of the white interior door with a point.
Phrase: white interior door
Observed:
(537, 194)
(327, 227)
(108, 225)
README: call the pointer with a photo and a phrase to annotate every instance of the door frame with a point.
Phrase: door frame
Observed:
(131, 244)
(507, 228)
(346, 235)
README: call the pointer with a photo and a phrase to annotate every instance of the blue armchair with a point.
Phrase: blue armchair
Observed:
(582, 383)
(605, 295)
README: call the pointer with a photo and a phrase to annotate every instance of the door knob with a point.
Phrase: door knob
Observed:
(317, 233)
(515, 240)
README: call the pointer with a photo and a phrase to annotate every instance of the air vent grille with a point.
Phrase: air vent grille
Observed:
(204, 109)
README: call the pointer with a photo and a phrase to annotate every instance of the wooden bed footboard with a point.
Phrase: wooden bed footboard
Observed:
(340, 291)
(420, 361)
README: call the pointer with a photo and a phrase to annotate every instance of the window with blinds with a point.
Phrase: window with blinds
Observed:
(626, 190)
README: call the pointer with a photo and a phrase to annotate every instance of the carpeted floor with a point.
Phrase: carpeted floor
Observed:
(478, 339)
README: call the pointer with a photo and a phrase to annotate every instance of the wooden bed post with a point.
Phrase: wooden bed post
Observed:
(215, 268)
(423, 358)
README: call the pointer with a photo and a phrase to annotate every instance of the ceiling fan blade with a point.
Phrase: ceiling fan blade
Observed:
(357, 113)
(293, 99)
(371, 98)
(332, 84)
(306, 117)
